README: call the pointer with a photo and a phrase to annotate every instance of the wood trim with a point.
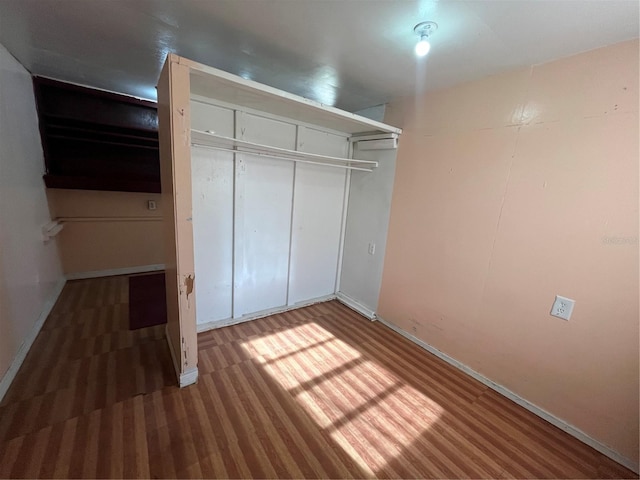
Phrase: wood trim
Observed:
(184, 378)
(175, 165)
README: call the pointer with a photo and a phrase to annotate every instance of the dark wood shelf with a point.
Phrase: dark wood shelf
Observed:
(106, 142)
(104, 183)
(96, 140)
(77, 131)
(61, 119)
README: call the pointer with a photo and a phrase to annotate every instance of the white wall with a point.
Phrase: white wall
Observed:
(30, 271)
(367, 222)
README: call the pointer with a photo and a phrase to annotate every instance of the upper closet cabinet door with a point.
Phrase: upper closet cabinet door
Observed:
(263, 197)
(317, 218)
(212, 191)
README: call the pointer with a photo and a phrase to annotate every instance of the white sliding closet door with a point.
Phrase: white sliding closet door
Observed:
(213, 230)
(212, 192)
(263, 201)
(267, 232)
(317, 218)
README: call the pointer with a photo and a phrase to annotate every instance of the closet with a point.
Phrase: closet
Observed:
(277, 202)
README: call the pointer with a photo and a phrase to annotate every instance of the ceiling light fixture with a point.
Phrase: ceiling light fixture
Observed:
(424, 30)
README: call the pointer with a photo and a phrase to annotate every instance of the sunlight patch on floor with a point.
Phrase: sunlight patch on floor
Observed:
(365, 408)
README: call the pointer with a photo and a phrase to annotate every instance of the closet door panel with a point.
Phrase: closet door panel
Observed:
(212, 117)
(265, 131)
(212, 187)
(317, 218)
(264, 192)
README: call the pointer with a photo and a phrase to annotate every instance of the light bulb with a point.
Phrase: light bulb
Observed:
(422, 47)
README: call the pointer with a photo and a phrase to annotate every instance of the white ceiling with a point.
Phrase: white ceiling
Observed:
(348, 53)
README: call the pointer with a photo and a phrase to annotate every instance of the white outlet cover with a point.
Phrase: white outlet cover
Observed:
(562, 307)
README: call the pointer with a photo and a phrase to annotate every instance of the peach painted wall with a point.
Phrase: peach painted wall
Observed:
(107, 230)
(508, 191)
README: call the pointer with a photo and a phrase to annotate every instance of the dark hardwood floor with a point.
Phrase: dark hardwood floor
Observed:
(315, 392)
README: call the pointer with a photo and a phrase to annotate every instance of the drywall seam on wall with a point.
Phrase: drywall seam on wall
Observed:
(115, 271)
(8, 377)
(505, 192)
(552, 419)
(520, 122)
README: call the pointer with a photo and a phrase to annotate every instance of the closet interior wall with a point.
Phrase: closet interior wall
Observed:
(366, 231)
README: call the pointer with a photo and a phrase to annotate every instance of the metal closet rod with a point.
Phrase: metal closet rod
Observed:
(210, 139)
(276, 157)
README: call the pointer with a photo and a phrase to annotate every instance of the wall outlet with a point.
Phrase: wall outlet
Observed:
(372, 248)
(151, 205)
(562, 307)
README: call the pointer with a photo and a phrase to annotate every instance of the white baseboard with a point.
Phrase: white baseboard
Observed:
(11, 373)
(205, 327)
(552, 419)
(355, 305)
(184, 379)
(115, 271)
(189, 378)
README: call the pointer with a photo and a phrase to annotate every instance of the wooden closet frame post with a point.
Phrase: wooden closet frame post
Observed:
(175, 166)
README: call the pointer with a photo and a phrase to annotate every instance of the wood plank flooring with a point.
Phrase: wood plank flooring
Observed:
(318, 392)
